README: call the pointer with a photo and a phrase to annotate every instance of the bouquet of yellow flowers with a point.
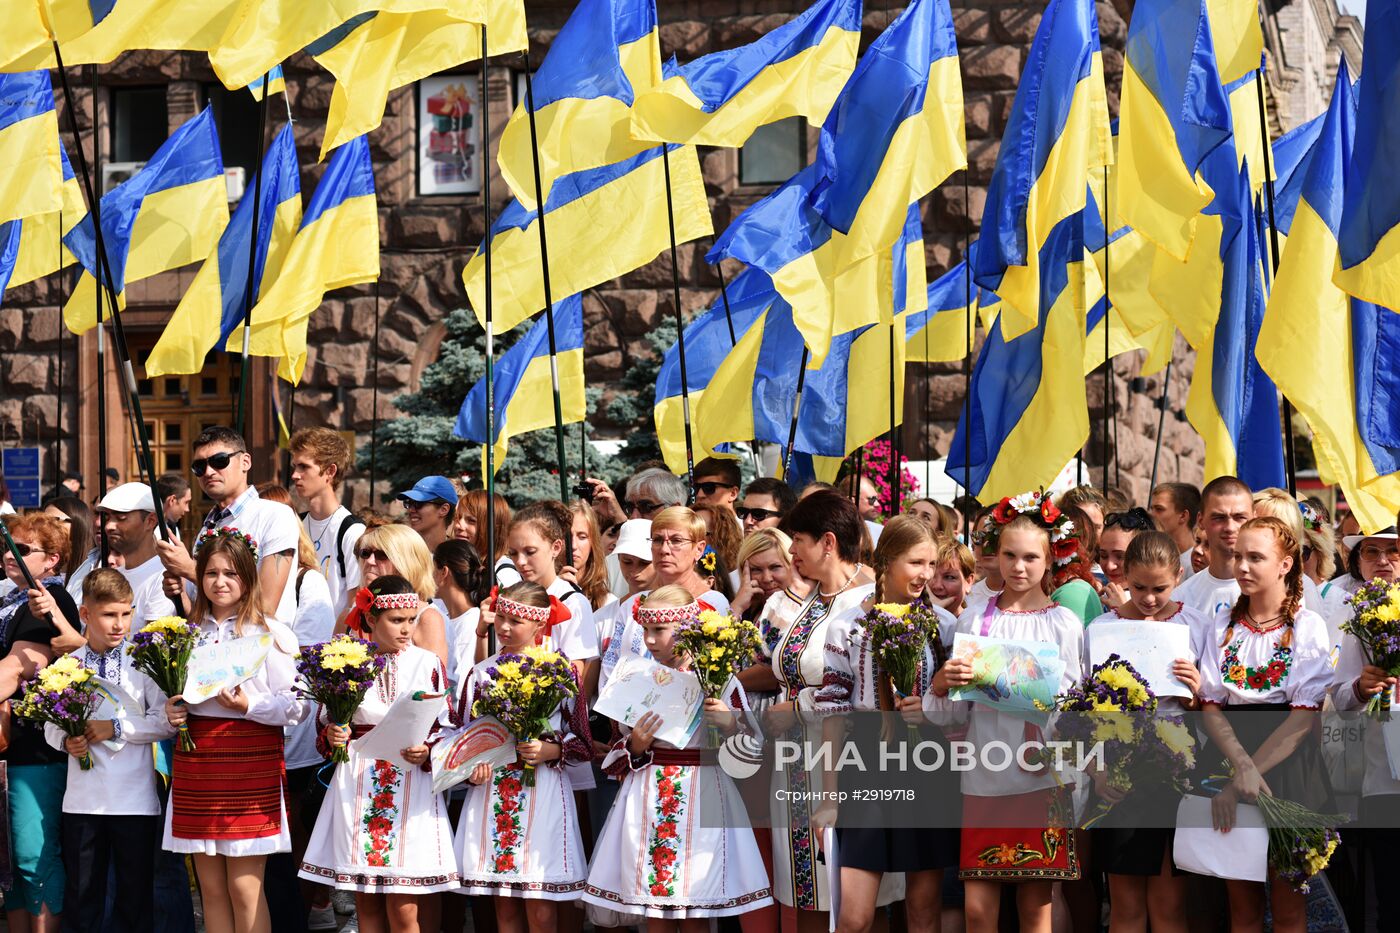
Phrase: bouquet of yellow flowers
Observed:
(718, 646)
(161, 651)
(337, 674)
(1301, 842)
(523, 690)
(1375, 623)
(898, 634)
(65, 694)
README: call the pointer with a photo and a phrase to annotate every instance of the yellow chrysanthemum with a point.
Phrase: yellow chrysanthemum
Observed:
(716, 654)
(510, 670)
(333, 662)
(898, 610)
(166, 624)
(1176, 736)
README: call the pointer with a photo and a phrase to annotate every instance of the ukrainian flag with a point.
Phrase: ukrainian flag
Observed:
(1057, 131)
(394, 50)
(337, 245)
(41, 249)
(1174, 113)
(894, 134)
(276, 84)
(1028, 412)
(708, 340)
(1348, 387)
(1233, 404)
(9, 253)
(720, 99)
(942, 332)
(1369, 231)
(100, 30)
(620, 207)
(605, 55)
(31, 178)
(167, 215)
(524, 393)
(213, 308)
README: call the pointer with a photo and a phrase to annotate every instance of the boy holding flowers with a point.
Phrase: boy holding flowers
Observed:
(111, 811)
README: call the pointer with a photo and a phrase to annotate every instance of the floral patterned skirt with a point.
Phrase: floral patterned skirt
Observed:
(1030, 851)
(519, 841)
(382, 830)
(677, 844)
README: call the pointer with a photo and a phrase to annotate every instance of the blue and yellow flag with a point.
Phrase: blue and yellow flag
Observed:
(1028, 412)
(41, 249)
(946, 329)
(167, 215)
(97, 31)
(1331, 354)
(1057, 131)
(622, 206)
(9, 253)
(276, 84)
(214, 306)
(721, 98)
(1233, 404)
(393, 50)
(524, 392)
(31, 177)
(708, 340)
(895, 132)
(1175, 112)
(605, 55)
(336, 245)
(1369, 231)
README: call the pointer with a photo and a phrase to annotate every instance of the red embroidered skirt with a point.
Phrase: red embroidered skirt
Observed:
(231, 785)
(1031, 851)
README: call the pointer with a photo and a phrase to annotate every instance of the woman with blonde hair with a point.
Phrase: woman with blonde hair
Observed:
(1273, 502)
(765, 572)
(399, 550)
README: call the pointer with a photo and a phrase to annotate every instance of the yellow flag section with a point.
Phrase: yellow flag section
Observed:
(602, 223)
(40, 251)
(125, 24)
(337, 245)
(31, 177)
(393, 50)
(1237, 35)
(945, 330)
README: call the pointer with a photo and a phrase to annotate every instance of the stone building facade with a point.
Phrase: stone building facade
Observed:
(372, 342)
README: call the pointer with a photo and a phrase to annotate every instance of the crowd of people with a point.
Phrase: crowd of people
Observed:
(610, 828)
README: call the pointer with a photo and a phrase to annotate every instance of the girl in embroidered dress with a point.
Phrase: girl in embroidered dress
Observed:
(660, 855)
(520, 843)
(876, 839)
(1032, 853)
(1137, 855)
(1267, 653)
(231, 824)
(382, 832)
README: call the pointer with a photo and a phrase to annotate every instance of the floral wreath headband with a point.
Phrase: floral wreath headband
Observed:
(228, 531)
(665, 615)
(1038, 507)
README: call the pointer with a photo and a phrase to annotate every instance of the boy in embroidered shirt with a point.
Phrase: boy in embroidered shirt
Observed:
(111, 813)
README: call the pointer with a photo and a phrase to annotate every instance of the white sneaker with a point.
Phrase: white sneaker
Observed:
(344, 902)
(352, 925)
(321, 918)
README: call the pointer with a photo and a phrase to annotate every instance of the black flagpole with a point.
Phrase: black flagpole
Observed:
(245, 389)
(967, 362)
(1108, 408)
(1161, 423)
(734, 342)
(680, 318)
(490, 479)
(96, 211)
(894, 435)
(796, 408)
(58, 417)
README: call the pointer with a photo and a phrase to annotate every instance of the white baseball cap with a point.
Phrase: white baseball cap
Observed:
(128, 497)
(1353, 540)
(634, 539)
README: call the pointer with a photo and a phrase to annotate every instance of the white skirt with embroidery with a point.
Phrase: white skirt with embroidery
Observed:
(677, 844)
(519, 841)
(382, 830)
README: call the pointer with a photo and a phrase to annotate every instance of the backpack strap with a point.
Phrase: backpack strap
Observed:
(346, 523)
(296, 590)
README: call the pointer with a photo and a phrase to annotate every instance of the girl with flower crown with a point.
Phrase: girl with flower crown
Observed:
(229, 822)
(1007, 836)
(516, 841)
(1266, 653)
(382, 832)
(662, 854)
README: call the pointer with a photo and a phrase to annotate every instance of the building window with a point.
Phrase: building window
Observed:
(774, 153)
(139, 123)
(449, 134)
(236, 116)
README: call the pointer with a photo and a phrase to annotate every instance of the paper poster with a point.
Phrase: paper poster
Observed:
(115, 704)
(640, 685)
(1017, 677)
(406, 723)
(223, 665)
(1150, 647)
(1241, 854)
(485, 741)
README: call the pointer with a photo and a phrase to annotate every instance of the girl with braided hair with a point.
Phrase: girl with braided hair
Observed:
(1266, 653)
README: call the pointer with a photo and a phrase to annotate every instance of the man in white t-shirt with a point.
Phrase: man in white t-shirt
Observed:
(320, 460)
(221, 464)
(1226, 504)
(128, 514)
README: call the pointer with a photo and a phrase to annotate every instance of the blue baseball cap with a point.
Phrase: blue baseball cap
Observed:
(432, 489)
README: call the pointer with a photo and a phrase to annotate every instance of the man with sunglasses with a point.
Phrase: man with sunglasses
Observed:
(221, 464)
(430, 505)
(715, 482)
(766, 500)
(128, 515)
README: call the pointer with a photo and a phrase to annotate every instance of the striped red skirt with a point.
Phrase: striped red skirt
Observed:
(231, 785)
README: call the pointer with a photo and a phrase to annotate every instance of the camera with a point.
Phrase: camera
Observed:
(584, 491)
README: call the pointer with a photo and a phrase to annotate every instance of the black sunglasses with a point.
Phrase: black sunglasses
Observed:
(367, 553)
(758, 515)
(24, 550)
(644, 507)
(217, 461)
(1135, 519)
(708, 488)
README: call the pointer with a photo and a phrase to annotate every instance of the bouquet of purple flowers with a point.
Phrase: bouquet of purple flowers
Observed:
(64, 693)
(898, 633)
(161, 651)
(337, 674)
(523, 690)
(1375, 622)
(1301, 842)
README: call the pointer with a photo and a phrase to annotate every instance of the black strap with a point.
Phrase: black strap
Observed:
(346, 523)
(296, 590)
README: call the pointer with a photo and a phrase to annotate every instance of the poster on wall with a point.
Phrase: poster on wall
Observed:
(448, 160)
